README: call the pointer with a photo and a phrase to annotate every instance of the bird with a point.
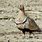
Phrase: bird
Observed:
(24, 23)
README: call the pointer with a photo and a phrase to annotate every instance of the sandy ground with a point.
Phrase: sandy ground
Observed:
(8, 12)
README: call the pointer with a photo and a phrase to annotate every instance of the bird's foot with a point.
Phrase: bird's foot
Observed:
(36, 37)
(30, 36)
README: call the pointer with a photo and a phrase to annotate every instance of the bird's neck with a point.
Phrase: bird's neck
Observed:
(22, 10)
(21, 13)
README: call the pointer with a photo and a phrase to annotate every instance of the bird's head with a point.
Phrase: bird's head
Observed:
(21, 7)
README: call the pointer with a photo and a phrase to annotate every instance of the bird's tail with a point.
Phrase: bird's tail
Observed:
(39, 30)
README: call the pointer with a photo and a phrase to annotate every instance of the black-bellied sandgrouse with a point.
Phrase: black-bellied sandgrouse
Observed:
(24, 23)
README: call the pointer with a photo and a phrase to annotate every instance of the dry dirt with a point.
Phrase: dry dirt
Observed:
(8, 12)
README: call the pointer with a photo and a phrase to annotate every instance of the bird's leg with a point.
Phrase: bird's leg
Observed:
(35, 36)
(23, 33)
(30, 36)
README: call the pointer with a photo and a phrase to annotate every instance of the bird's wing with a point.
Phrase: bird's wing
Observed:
(32, 24)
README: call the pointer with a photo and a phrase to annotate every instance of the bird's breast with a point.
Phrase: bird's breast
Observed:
(23, 25)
